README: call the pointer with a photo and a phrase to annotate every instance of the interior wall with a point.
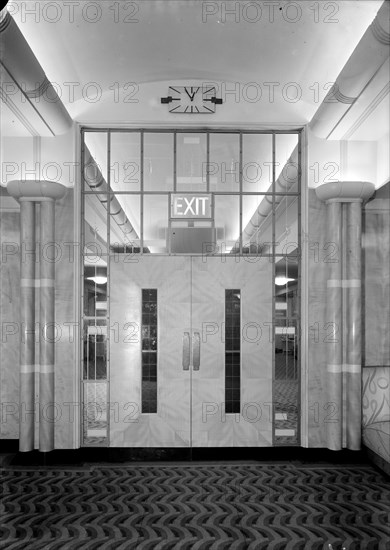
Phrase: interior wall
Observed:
(48, 158)
(317, 330)
(376, 272)
(375, 300)
(67, 372)
(54, 159)
(18, 157)
(9, 318)
(383, 160)
(360, 161)
(353, 160)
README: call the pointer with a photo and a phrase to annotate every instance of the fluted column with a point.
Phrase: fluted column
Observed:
(354, 323)
(344, 287)
(47, 328)
(29, 193)
(334, 315)
(27, 321)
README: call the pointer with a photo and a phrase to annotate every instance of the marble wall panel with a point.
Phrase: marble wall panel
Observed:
(317, 329)
(10, 324)
(376, 273)
(66, 371)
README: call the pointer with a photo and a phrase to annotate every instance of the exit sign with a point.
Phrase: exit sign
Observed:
(190, 206)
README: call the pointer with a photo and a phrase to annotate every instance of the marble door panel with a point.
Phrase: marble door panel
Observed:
(252, 425)
(169, 426)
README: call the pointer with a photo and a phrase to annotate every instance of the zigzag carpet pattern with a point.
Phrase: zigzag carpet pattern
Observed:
(197, 506)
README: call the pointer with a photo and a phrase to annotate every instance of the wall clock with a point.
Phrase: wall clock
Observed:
(192, 99)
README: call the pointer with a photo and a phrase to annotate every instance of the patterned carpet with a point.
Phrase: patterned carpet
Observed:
(198, 506)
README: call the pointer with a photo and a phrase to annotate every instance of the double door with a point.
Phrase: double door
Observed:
(191, 356)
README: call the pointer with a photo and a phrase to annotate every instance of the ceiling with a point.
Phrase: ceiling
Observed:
(111, 62)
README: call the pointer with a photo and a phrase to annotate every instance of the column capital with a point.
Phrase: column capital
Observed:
(345, 191)
(36, 190)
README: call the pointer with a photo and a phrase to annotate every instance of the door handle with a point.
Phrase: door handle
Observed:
(186, 351)
(196, 350)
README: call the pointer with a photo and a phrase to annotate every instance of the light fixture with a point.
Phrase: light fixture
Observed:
(98, 280)
(280, 281)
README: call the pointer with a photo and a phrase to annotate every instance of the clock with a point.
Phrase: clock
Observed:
(192, 99)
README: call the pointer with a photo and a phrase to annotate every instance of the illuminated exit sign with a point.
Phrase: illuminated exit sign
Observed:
(189, 206)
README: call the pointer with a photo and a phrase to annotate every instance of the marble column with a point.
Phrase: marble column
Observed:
(354, 322)
(334, 398)
(47, 410)
(27, 322)
(28, 193)
(344, 352)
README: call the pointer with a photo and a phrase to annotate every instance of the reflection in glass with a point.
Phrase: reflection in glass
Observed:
(149, 350)
(125, 161)
(286, 162)
(158, 161)
(125, 223)
(227, 221)
(95, 224)
(286, 225)
(95, 161)
(95, 349)
(224, 162)
(256, 163)
(286, 383)
(191, 161)
(255, 223)
(232, 350)
(286, 286)
(95, 419)
(155, 223)
(95, 288)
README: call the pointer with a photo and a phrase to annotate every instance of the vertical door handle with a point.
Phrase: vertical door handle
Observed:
(186, 351)
(196, 350)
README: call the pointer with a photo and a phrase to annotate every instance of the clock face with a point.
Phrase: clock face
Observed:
(192, 99)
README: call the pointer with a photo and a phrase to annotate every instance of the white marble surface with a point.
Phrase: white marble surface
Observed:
(183, 306)
(10, 322)
(170, 426)
(376, 271)
(67, 372)
(318, 334)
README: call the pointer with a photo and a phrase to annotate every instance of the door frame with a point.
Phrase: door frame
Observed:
(303, 247)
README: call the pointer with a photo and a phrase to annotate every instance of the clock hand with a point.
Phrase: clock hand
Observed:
(189, 95)
(192, 94)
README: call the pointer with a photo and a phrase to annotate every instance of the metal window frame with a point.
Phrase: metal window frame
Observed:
(300, 131)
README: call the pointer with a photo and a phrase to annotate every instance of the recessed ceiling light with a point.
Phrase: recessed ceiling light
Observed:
(280, 281)
(98, 280)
